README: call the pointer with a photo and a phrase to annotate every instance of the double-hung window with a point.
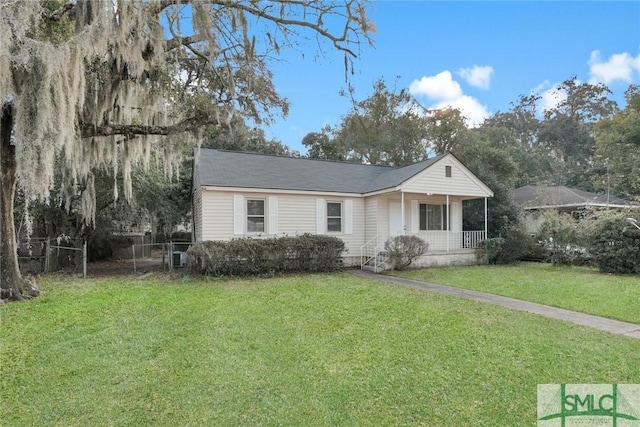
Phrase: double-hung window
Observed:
(334, 217)
(255, 216)
(433, 217)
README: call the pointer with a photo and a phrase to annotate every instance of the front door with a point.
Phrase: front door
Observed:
(395, 219)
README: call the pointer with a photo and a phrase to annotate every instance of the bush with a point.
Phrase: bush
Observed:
(248, 257)
(562, 240)
(512, 246)
(403, 250)
(614, 244)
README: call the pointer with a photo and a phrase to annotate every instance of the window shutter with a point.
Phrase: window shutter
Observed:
(320, 216)
(348, 216)
(455, 217)
(415, 216)
(272, 222)
(238, 214)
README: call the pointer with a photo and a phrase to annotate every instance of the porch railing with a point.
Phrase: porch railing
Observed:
(372, 253)
(446, 241)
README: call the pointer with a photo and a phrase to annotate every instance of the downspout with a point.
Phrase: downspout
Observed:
(448, 218)
(404, 228)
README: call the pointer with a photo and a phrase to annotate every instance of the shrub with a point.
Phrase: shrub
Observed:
(561, 237)
(403, 250)
(247, 257)
(614, 244)
(512, 246)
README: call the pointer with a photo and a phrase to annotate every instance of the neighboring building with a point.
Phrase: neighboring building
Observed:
(537, 199)
(252, 195)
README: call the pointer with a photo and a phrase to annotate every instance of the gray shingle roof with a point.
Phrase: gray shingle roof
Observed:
(221, 168)
(532, 196)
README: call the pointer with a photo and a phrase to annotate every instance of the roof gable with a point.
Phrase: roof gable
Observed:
(435, 180)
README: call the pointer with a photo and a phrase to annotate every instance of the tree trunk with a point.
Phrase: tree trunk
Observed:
(13, 286)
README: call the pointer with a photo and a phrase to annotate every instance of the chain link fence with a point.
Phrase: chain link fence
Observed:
(40, 255)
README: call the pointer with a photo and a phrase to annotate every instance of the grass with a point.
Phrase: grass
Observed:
(302, 350)
(575, 288)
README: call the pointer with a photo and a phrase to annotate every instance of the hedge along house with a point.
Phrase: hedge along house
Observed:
(239, 195)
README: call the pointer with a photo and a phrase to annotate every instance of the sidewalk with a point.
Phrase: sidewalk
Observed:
(608, 325)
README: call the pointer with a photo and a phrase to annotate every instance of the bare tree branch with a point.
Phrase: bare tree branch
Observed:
(190, 124)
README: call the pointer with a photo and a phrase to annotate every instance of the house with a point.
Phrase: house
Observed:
(252, 195)
(535, 200)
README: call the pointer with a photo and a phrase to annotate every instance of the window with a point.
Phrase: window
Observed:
(334, 217)
(447, 171)
(255, 215)
(433, 217)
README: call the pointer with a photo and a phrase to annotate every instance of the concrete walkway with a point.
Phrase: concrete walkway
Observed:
(613, 326)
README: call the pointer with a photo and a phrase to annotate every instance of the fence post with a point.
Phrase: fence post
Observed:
(170, 256)
(133, 252)
(47, 256)
(84, 259)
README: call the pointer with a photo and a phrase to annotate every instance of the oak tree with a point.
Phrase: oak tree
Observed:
(108, 84)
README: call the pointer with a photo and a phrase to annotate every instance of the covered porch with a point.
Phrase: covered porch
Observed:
(435, 218)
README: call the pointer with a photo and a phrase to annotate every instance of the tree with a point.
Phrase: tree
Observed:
(491, 153)
(386, 128)
(321, 145)
(96, 83)
(446, 130)
(567, 130)
(239, 137)
(618, 149)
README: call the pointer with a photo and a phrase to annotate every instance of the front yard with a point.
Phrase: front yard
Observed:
(328, 349)
(580, 289)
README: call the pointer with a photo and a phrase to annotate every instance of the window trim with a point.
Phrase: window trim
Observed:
(341, 217)
(263, 216)
(447, 171)
(424, 221)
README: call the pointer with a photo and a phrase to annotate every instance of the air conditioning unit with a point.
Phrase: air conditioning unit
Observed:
(179, 259)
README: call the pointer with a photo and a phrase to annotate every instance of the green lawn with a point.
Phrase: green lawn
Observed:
(575, 288)
(302, 350)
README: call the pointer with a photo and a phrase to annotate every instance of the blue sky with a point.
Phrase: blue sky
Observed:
(474, 55)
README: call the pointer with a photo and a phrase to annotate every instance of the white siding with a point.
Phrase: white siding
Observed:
(434, 181)
(217, 216)
(296, 214)
(321, 219)
(348, 216)
(371, 217)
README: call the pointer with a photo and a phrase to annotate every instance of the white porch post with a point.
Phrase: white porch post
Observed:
(486, 236)
(448, 224)
(404, 227)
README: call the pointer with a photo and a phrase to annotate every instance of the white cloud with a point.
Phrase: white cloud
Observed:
(442, 91)
(619, 66)
(440, 87)
(478, 76)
